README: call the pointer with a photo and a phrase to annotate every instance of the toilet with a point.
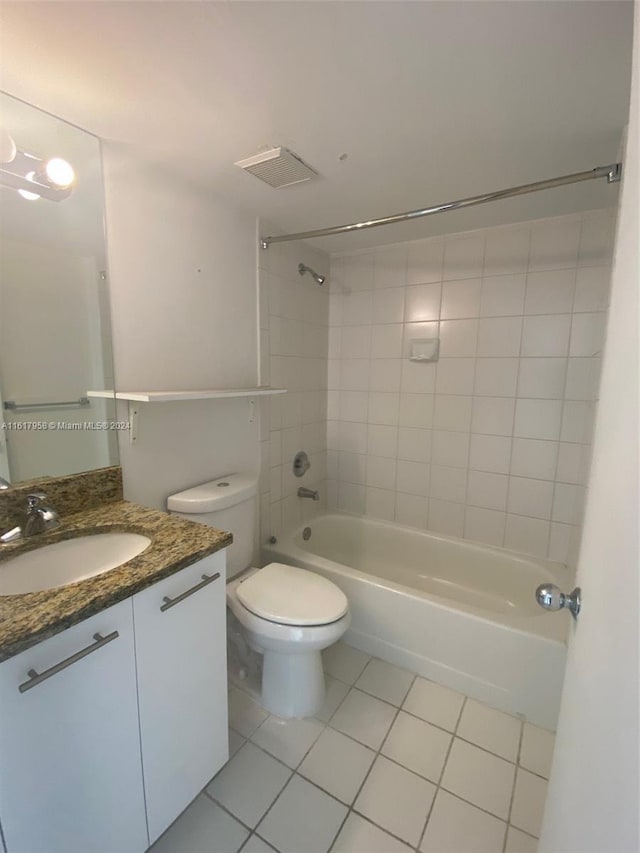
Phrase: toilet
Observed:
(286, 614)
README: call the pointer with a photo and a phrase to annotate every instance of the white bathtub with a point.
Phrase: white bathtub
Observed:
(457, 612)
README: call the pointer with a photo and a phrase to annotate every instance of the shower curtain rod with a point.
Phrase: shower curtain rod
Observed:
(612, 173)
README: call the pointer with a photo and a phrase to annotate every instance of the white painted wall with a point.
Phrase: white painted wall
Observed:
(592, 804)
(182, 270)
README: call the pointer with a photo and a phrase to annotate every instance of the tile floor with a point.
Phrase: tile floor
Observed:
(393, 763)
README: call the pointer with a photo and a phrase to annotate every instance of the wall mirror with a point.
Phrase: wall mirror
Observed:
(55, 334)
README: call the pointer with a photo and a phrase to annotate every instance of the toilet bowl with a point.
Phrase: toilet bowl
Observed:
(288, 615)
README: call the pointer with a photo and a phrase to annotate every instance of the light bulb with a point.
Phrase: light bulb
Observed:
(59, 172)
(25, 193)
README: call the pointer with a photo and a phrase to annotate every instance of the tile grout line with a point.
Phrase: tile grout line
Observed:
(513, 789)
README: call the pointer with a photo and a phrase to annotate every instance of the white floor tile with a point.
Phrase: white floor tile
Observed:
(396, 800)
(359, 836)
(245, 715)
(417, 745)
(257, 845)
(479, 778)
(337, 764)
(434, 703)
(493, 730)
(519, 842)
(249, 783)
(336, 691)
(203, 826)
(235, 742)
(455, 826)
(385, 681)
(364, 718)
(303, 819)
(288, 740)
(536, 751)
(528, 802)
(344, 662)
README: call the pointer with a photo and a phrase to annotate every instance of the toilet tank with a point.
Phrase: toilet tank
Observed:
(228, 503)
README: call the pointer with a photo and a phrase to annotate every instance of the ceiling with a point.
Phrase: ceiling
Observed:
(431, 101)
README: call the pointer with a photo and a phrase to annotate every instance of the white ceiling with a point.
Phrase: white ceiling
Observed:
(431, 101)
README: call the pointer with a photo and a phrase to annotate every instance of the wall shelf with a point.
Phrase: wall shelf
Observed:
(172, 396)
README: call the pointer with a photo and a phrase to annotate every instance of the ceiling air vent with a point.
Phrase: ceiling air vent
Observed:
(277, 167)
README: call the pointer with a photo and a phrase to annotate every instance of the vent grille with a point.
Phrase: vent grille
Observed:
(278, 167)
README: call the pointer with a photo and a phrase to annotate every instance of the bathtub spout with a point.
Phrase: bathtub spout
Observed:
(308, 493)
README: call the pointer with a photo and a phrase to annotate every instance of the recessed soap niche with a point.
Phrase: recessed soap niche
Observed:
(424, 349)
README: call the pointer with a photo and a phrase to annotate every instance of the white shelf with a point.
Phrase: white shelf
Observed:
(171, 396)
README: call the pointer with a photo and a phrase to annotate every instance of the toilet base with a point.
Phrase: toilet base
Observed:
(292, 684)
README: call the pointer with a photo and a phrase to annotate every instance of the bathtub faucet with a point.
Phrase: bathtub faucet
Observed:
(308, 493)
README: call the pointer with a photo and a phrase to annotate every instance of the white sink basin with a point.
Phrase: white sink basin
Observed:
(68, 561)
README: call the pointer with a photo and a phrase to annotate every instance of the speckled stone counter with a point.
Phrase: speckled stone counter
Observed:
(175, 543)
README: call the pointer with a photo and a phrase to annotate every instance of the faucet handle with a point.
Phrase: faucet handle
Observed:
(34, 499)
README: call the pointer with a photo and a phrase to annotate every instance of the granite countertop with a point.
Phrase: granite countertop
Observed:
(175, 544)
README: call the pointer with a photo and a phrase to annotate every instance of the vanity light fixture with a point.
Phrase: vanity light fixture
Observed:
(34, 177)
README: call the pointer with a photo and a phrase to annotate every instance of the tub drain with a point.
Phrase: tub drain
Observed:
(306, 534)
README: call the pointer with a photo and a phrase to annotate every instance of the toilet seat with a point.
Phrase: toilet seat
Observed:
(287, 595)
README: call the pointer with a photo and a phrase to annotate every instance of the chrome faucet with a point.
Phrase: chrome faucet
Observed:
(37, 519)
(308, 493)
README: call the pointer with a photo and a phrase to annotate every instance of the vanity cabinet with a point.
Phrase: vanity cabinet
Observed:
(182, 686)
(70, 765)
(106, 752)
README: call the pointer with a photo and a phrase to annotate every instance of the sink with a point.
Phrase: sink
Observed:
(69, 561)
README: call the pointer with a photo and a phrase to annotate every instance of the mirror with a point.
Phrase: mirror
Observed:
(55, 334)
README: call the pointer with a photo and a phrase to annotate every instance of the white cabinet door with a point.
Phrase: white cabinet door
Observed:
(70, 746)
(182, 686)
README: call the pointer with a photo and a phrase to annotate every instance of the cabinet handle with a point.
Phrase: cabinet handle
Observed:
(38, 678)
(169, 602)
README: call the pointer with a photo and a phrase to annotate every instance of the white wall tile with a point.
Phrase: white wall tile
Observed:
(411, 510)
(357, 308)
(542, 377)
(596, 238)
(413, 478)
(422, 303)
(388, 306)
(490, 453)
(581, 379)
(506, 251)
(446, 517)
(502, 295)
(381, 472)
(390, 268)
(416, 410)
(380, 503)
(554, 245)
(424, 262)
(448, 484)
(592, 289)
(458, 338)
(499, 337)
(528, 535)
(414, 445)
(487, 490)
(496, 377)
(418, 377)
(452, 412)
(463, 258)
(484, 525)
(550, 292)
(355, 342)
(538, 419)
(587, 334)
(386, 341)
(352, 467)
(493, 415)
(455, 376)
(354, 374)
(351, 498)
(450, 448)
(570, 461)
(530, 497)
(460, 299)
(384, 408)
(546, 335)
(534, 458)
(385, 374)
(382, 440)
(559, 541)
(567, 503)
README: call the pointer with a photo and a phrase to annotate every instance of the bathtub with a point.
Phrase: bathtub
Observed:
(457, 612)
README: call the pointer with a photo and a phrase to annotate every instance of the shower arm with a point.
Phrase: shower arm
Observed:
(612, 173)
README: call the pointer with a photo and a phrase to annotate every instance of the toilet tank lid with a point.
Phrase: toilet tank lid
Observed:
(215, 495)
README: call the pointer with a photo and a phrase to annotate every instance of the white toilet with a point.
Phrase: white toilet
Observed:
(287, 614)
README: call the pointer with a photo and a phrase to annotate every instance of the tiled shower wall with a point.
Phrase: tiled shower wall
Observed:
(492, 441)
(294, 319)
